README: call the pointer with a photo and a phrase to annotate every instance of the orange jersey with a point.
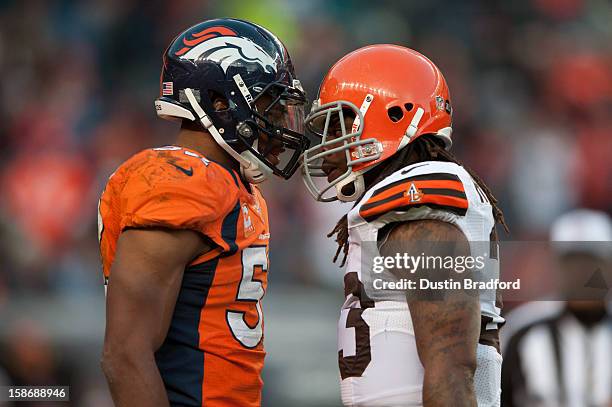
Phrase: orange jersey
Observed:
(213, 353)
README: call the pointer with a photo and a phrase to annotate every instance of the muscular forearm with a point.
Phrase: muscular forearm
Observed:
(445, 386)
(134, 381)
(447, 349)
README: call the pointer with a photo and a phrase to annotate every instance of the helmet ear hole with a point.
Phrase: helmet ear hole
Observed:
(395, 113)
(408, 106)
(219, 102)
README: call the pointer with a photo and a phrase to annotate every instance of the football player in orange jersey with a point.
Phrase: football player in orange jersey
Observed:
(384, 117)
(184, 228)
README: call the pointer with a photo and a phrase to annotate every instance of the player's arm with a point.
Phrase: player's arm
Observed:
(446, 323)
(143, 286)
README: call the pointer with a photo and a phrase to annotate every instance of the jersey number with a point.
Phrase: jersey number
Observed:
(249, 290)
(354, 365)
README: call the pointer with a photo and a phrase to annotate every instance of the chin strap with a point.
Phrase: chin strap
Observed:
(251, 168)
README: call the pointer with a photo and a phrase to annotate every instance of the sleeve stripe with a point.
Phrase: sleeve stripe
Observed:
(437, 190)
(403, 187)
(401, 202)
(369, 205)
(424, 177)
(402, 205)
(444, 191)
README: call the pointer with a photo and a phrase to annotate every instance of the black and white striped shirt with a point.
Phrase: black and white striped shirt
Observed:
(559, 362)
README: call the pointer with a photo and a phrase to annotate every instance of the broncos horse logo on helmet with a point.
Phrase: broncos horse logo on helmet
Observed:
(224, 45)
(229, 50)
(240, 62)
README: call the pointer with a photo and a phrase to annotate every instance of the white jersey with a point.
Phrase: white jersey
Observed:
(378, 361)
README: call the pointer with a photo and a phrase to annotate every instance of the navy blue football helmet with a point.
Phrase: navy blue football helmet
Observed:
(251, 70)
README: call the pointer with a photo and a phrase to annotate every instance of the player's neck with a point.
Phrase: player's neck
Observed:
(203, 143)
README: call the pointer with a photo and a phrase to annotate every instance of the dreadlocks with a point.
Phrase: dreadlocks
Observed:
(424, 148)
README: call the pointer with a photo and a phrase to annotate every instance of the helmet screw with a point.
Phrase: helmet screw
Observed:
(232, 93)
(221, 130)
(244, 130)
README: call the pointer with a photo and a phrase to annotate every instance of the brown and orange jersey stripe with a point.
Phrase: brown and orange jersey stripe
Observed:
(437, 190)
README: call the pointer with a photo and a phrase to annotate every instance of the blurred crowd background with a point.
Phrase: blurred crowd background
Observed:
(531, 85)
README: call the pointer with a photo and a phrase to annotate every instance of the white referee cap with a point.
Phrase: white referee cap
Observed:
(589, 230)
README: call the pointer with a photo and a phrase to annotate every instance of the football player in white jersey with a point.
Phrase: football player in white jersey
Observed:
(384, 117)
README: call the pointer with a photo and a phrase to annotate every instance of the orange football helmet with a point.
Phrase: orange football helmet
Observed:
(395, 95)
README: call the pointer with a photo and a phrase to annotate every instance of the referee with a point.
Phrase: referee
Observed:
(565, 359)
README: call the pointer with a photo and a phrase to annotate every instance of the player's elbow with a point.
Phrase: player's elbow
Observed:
(460, 365)
(464, 366)
(108, 363)
(113, 363)
(119, 360)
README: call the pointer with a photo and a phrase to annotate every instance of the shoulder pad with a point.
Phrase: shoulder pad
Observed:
(437, 185)
(175, 188)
